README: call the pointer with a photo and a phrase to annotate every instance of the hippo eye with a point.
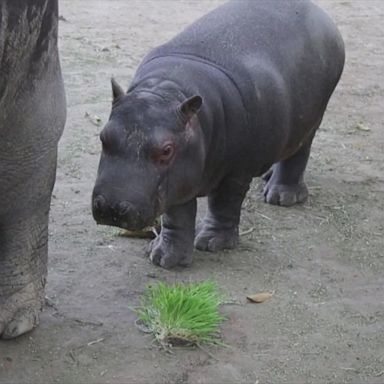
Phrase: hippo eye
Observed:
(162, 156)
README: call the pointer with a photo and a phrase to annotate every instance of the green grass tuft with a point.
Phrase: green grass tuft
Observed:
(182, 314)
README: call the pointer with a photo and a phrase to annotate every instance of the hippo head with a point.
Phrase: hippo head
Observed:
(152, 158)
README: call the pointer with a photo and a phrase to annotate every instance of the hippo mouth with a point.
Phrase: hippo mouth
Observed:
(126, 224)
(123, 215)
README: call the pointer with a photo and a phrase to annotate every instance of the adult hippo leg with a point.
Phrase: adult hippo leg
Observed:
(22, 272)
(174, 245)
(24, 244)
(284, 181)
(220, 229)
(32, 105)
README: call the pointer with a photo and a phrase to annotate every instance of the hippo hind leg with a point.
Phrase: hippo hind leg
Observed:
(220, 228)
(284, 181)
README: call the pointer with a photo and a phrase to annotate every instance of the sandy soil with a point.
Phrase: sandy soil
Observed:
(323, 260)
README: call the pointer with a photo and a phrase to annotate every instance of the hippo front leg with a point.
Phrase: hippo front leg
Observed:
(174, 246)
(220, 229)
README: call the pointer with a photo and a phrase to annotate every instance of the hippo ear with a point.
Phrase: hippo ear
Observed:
(191, 106)
(117, 91)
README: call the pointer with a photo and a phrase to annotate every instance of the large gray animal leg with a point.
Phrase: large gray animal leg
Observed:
(284, 181)
(174, 246)
(220, 228)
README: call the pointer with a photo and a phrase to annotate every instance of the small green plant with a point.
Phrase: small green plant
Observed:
(182, 314)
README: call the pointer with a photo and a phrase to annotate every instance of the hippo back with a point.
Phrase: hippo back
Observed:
(290, 40)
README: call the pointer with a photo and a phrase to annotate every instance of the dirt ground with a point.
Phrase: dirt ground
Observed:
(323, 260)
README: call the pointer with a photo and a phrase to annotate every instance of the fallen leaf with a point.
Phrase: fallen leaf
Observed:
(145, 233)
(259, 297)
(362, 127)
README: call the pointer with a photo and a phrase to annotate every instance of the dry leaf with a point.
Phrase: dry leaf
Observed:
(145, 233)
(148, 232)
(362, 127)
(259, 297)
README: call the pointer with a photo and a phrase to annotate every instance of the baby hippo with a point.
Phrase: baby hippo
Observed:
(238, 94)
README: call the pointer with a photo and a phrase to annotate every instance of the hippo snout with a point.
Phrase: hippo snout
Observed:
(124, 208)
(120, 214)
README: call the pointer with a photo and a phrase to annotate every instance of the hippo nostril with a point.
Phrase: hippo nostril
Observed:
(99, 203)
(124, 208)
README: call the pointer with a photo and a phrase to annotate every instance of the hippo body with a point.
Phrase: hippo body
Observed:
(238, 94)
(32, 105)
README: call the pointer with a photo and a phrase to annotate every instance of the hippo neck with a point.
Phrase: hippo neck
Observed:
(28, 41)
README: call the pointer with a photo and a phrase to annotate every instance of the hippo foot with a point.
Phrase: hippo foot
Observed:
(169, 253)
(214, 240)
(19, 313)
(285, 195)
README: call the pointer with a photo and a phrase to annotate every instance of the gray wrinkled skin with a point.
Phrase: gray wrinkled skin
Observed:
(238, 94)
(32, 104)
